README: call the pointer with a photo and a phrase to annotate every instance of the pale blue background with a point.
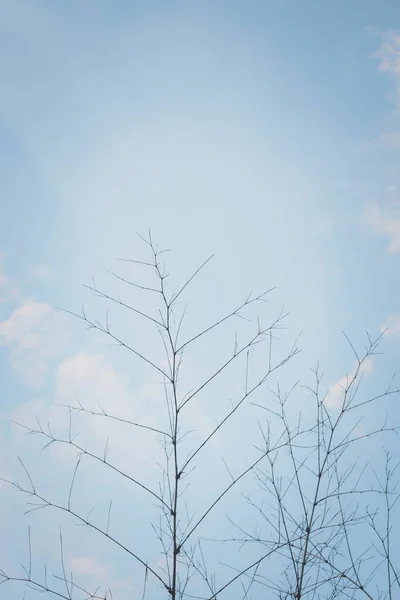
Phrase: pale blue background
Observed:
(255, 130)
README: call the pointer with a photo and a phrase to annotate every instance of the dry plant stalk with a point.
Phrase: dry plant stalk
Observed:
(311, 505)
(177, 529)
(320, 500)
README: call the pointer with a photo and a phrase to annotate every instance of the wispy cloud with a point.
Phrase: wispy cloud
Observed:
(93, 379)
(87, 379)
(96, 573)
(33, 332)
(389, 58)
(87, 565)
(35, 335)
(335, 396)
(392, 325)
(387, 223)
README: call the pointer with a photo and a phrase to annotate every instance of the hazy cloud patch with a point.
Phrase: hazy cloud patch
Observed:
(35, 335)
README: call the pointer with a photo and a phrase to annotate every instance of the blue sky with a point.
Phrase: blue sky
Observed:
(266, 132)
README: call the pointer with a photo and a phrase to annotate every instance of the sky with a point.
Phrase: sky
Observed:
(266, 133)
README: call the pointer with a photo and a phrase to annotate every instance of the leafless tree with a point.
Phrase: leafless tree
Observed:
(183, 572)
(314, 503)
(322, 495)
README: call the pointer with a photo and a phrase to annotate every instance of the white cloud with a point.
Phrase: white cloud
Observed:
(95, 572)
(389, 57)
(35, 335)
(389, 140)
(335, 395)
(385, 223)
(389, 53)
(93, 381)
(86, 565)
(392, 325)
